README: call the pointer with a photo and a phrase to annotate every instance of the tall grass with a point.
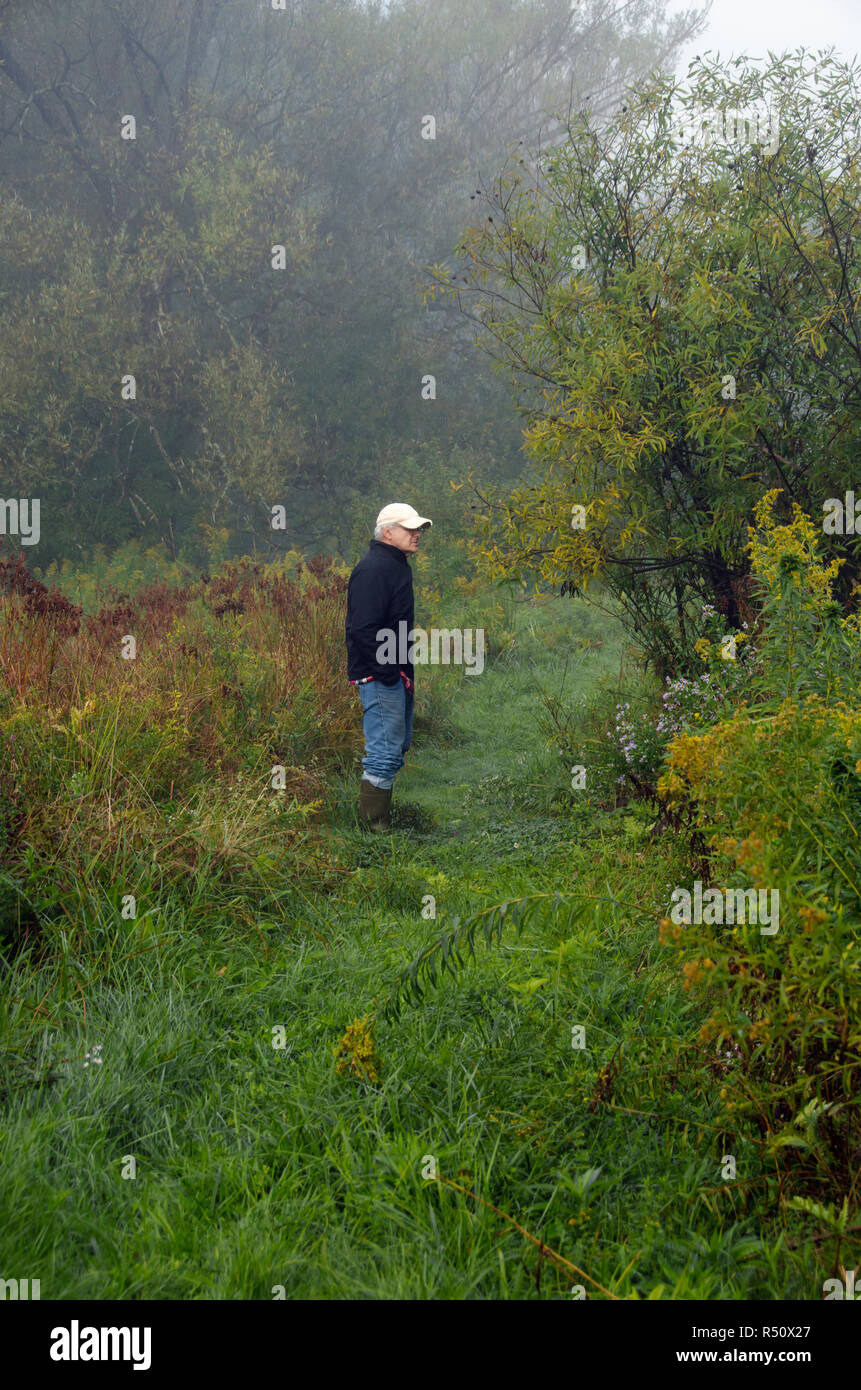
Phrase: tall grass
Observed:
(159, 769)
(199, 1036)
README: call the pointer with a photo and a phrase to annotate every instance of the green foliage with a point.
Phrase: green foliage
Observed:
(809, 645)
(776, 791)
(449, 950)
(259, 1166)
(99, 575)
(699, 356)
(117, 770)
(302, 1166)
(153, 256)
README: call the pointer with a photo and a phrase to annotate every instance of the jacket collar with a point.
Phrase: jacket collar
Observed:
(391, 550)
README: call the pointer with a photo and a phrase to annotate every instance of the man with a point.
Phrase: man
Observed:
(379, 600)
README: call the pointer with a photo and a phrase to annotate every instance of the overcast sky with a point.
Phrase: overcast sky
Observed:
(755, 26)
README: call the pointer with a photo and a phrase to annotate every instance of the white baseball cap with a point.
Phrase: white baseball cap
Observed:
(399, 514)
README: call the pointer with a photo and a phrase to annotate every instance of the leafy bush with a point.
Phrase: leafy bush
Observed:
(776, 792)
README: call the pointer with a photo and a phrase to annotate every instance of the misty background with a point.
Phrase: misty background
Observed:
(152, 257)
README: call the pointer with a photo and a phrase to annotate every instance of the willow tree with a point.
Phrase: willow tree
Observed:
(674, 295)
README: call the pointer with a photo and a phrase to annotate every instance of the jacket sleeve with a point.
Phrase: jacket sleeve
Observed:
(370, 601)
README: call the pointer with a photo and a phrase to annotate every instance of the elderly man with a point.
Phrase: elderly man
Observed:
(379, 601)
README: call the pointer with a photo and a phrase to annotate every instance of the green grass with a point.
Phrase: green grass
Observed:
(260, 1167)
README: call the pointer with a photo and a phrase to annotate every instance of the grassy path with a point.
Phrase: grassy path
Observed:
(260, 1168)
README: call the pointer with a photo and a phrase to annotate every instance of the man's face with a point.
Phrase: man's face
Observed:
(402, 537)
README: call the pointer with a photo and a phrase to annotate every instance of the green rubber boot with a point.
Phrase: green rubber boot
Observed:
(374, 806)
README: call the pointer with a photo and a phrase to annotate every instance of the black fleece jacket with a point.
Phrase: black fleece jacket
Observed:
(379, 595)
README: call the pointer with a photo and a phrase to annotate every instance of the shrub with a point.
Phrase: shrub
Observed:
(776, 792)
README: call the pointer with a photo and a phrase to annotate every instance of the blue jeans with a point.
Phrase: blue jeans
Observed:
(387, 720)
